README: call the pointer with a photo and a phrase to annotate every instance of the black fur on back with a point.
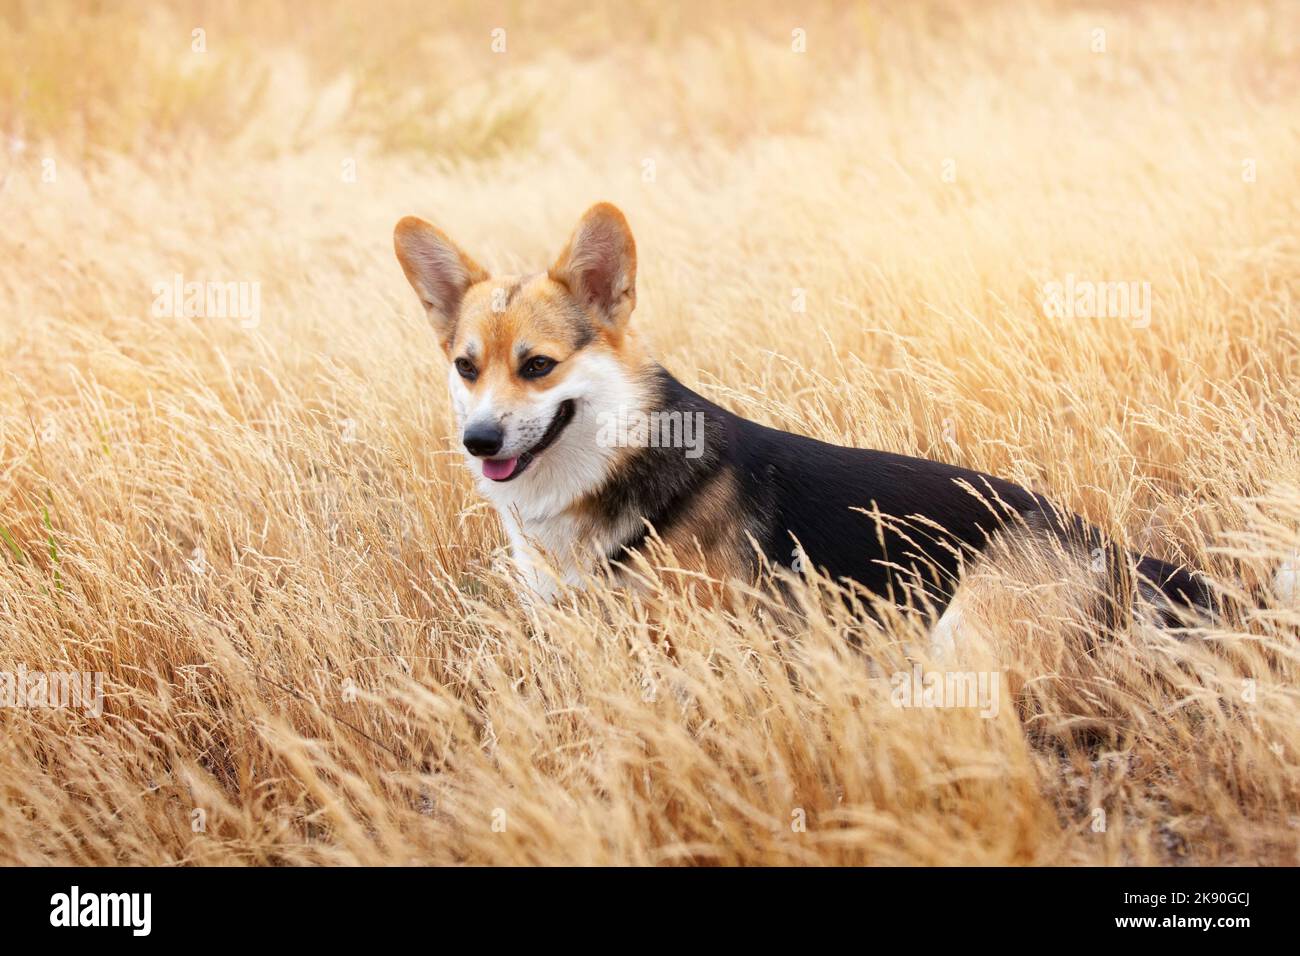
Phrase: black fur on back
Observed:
(896, 525)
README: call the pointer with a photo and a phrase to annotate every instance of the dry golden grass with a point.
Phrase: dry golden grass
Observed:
(264, 538)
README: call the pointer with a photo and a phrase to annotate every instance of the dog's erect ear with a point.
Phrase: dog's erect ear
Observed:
(599, 265)
(437, 269)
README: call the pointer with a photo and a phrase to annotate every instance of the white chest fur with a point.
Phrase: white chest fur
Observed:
(553, 541)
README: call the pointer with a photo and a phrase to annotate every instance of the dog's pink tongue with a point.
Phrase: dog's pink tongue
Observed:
(499, 469)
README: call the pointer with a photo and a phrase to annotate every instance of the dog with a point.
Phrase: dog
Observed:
(546, 373)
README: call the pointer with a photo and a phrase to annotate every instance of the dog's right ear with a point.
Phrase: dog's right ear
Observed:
(438, 271)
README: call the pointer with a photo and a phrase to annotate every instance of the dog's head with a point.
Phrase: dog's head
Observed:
(535, 359)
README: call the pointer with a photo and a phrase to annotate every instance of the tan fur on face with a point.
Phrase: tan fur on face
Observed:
(584, 300)
(503, 322)
(576, 314)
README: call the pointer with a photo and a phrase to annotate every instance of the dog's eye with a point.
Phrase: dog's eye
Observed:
(466, 369)
(537, 366)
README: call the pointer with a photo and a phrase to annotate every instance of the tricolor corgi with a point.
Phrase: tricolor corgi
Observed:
(586, 445)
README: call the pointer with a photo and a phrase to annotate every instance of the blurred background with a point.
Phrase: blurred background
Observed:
(846, 216)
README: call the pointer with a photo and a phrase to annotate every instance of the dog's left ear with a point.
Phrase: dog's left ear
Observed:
(599, 265)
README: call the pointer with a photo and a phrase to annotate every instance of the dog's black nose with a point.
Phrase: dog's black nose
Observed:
(483, 439)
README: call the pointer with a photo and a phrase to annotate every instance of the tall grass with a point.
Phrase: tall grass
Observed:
(264, 539)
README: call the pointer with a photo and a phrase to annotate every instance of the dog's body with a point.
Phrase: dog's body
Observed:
(544, 368)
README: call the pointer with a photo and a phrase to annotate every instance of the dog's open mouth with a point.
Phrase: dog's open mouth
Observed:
(505, 469)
